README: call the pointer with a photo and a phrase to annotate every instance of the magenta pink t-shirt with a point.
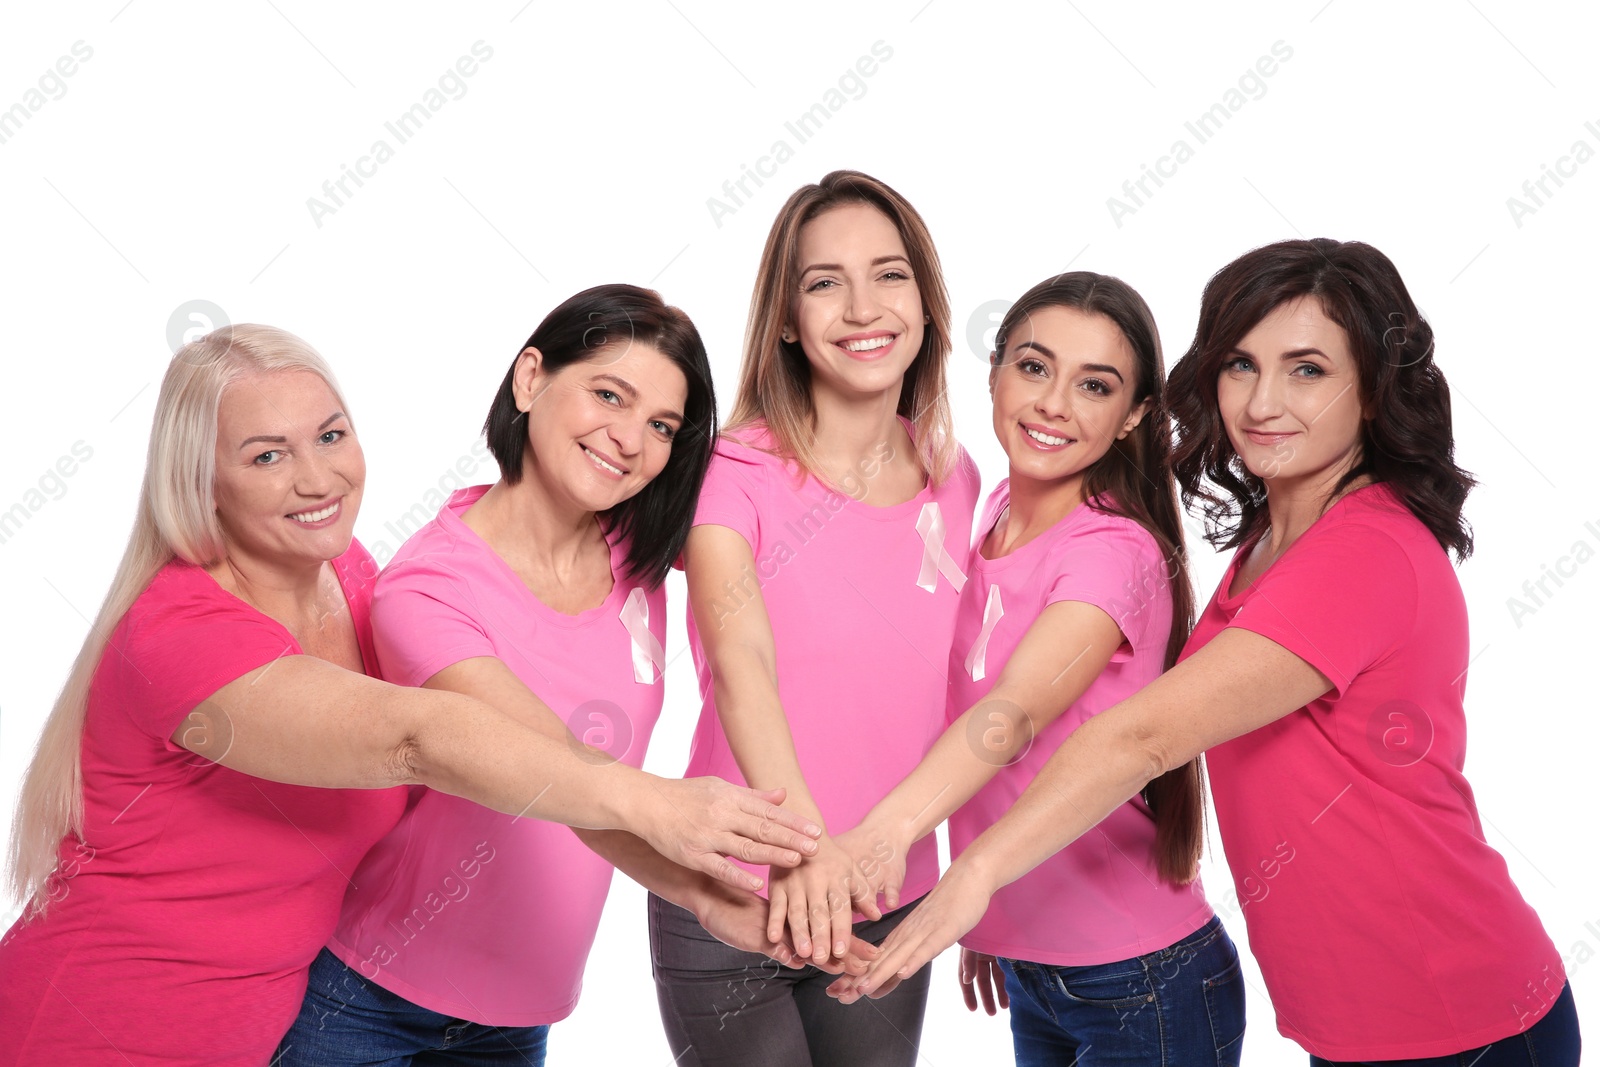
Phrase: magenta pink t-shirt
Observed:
(467, 911)
(1099, 900)
(199, 896)
(1385, 925)
(862, 607)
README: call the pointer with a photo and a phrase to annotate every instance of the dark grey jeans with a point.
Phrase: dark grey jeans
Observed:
(721, 1006)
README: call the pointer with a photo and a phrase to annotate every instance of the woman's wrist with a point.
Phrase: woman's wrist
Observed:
(630, 801)
(889, 824)
(975, 869)
(797, 798)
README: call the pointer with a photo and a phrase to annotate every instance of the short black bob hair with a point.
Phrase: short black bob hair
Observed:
(655, 521)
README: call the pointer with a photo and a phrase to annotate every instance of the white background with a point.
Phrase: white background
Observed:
(178, 162)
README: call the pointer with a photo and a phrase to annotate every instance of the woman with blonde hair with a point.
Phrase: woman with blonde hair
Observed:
(179, 875)
(824, 585)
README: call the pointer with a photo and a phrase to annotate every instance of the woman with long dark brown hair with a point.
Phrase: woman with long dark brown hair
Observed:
(1078, 596)
(1324, 681)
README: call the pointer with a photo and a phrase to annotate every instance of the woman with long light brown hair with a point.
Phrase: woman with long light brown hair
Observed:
(823, 579)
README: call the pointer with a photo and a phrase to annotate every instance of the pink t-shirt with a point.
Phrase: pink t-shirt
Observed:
(1099, 900)
(200, 895)
(464, 910)
(1385, 925)
(862, 607)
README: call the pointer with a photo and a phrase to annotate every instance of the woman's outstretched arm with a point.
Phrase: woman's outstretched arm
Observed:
(304, 721)
(815, 899)
(736, 916)
(1056, 661)
(1238, 682)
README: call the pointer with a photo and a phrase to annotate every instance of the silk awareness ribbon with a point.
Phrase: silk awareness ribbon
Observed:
(647, 654)
(993, 612)
(936, 560)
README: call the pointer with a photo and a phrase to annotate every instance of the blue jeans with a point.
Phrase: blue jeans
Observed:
(1551, 1042)
(1180, 1007)
(347, 1020)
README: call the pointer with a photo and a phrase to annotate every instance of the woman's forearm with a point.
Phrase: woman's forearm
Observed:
(464, 747)
(743, 660)
(1096, 770)
(950, 774)
(635, 858)
(1238, 682)
(303, 721)
(1058, 658)
(758, 734)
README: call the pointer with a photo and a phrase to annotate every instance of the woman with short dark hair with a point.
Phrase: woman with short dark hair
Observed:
(542, 596)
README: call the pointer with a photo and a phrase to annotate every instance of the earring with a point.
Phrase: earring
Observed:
(926, 318)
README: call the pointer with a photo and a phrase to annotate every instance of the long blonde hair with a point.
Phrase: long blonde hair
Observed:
(177, 518)
(775, 377)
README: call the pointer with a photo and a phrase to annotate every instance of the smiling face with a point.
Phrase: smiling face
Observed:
(1064, 393)
(289, 469)
(858, 315)
(1290, 396)
(600, 429)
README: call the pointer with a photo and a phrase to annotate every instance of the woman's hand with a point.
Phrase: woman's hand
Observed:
(879, 855)
(739, 919)
(944, 916)
(699, 822)
(817, 899)
(980, 970)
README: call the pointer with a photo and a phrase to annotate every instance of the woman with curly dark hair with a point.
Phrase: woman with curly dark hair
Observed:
(1324, 681)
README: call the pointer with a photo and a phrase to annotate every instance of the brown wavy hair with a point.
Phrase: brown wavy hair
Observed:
(1133, 480)
(1406, 438)
(775, 377)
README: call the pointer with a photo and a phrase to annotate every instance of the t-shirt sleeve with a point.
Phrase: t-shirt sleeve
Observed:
(971, 479)
(180, 643)
(1341, 602)
(731, 495)
(425, 617)
(1118, 569)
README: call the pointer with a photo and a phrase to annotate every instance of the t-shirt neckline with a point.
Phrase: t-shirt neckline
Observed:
(294, 642)
(1067, 521)
(1226, 598)
(451, 521)
(759, 438)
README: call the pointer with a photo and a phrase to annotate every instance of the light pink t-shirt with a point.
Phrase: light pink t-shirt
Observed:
(862, 612)
(467, 911)
(184, 923)
(1385, 925)
(1099, 900)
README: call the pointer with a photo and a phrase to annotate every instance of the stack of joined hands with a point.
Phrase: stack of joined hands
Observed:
(812, 908)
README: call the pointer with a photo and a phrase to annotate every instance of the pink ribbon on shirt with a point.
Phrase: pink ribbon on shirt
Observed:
(993, 612)
(647, 654)
(936, 560)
